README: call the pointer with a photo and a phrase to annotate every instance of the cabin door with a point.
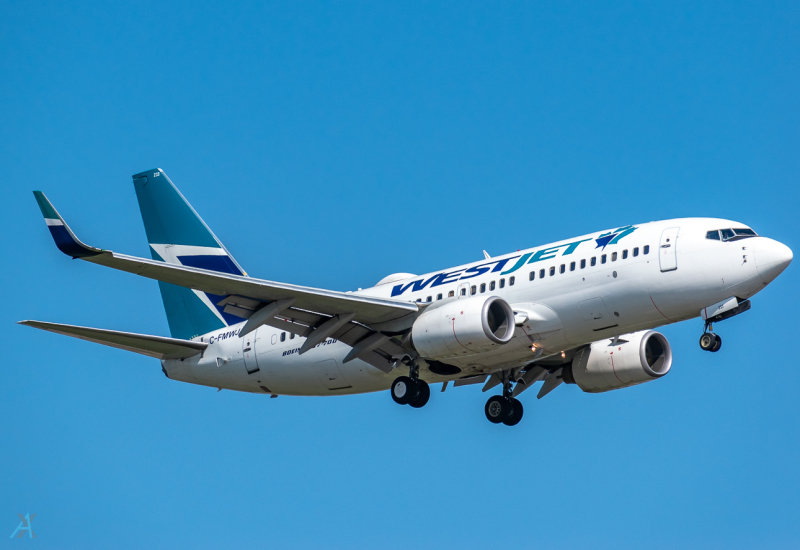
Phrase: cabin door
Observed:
(667, 249)
(249, 352)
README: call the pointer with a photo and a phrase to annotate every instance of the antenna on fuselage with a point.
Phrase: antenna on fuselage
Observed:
(486, 255)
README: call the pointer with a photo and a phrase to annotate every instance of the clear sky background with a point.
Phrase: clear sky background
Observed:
(330, 144)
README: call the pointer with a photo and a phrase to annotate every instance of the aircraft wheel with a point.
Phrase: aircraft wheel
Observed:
(708, 340)
(498, 409)
(516, 413)
(422, 396)
(404, 390)
(717, 343)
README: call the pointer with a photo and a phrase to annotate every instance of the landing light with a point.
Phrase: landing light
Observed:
(563, 355)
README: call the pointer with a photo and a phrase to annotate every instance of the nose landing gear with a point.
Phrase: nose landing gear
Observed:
(504, 409)
(710, 341)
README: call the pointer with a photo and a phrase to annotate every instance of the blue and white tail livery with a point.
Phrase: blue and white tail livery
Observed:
(579, 311)
(177, 235)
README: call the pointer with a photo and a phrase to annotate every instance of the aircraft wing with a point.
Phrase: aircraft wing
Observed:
(310, 312)
(159, 347)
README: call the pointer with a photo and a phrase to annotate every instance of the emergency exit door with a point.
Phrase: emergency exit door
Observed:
(667, 249)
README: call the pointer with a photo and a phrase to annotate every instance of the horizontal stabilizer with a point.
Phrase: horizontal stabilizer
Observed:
(159, 347)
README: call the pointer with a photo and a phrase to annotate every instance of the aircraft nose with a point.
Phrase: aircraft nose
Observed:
(771, 258)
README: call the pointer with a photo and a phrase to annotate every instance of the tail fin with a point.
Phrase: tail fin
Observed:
(177, 235)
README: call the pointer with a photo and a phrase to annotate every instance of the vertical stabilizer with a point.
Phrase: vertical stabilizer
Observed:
(177, 235)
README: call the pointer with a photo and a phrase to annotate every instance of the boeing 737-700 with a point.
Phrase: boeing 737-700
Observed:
(579, 311)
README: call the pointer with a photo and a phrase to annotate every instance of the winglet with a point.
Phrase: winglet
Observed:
(65, 239)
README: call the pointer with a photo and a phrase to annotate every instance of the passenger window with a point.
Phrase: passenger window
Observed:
(563, 268)
(583, 264)
(624, 254)
(713, 235)
(491, 285)
(532, 275)
(646, 249)
(635, 251)
(451, 294)
(511, 281)
(438, 296)
(502, 283)
(291, 336)
(572, 266)
(613, 256)
(283, 336)
(541, 273)
(483, 288)
(463, 291)
(594, 261)
(552, 271)
(428, 299)
(603, 259)
(419, 299)
(473, 290)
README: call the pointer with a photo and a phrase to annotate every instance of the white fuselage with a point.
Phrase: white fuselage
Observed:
(587, 292)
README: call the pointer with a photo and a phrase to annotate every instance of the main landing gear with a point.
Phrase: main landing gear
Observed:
(710, 341)
(504, 409)
(410, 390)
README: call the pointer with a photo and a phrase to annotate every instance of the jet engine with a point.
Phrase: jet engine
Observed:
(610, 365)
(463, 327)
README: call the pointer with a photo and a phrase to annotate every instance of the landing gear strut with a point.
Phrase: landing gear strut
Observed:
(710, 341)
(504, 408)
(410, 390)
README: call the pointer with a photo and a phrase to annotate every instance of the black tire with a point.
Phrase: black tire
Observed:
(516, 413)
(422, 397)
(717, 343)
(708, 340)
(497, 409)
(404, 389)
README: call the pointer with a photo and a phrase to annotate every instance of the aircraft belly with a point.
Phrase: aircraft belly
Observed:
(320, 371)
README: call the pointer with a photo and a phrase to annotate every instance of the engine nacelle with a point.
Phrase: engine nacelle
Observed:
(463, 327)
(634, 359)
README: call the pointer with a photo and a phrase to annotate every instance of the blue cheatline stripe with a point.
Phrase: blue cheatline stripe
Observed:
(187, 315)
(222, 264)
(230, 318)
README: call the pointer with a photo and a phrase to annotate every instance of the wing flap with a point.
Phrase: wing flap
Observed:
(159, 347)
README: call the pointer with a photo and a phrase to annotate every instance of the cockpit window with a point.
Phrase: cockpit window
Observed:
(731, 234)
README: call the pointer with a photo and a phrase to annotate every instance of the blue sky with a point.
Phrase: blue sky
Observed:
(330, 144)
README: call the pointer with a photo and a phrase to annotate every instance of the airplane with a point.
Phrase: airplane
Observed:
(579, 311)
